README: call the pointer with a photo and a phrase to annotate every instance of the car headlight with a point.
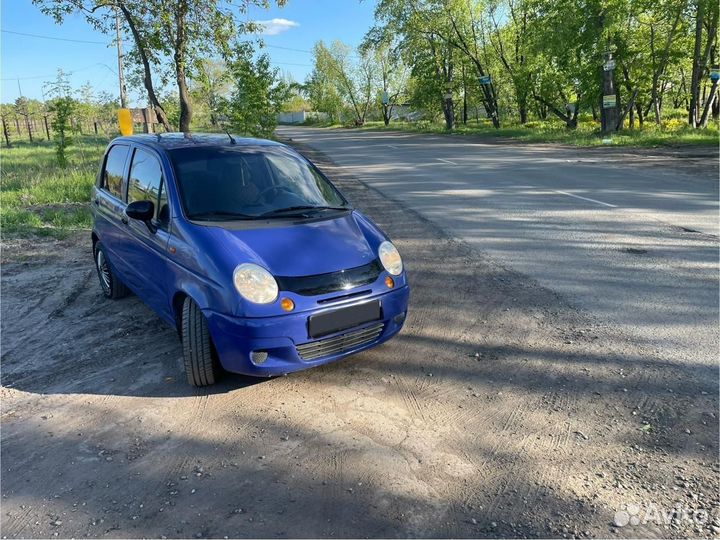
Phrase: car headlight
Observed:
(255, 283)
(390, 258)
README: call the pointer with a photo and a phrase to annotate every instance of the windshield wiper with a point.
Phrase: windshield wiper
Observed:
(290, 209)
(221, 215)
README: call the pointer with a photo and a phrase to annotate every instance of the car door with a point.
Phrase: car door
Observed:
(109, 206)
(146, 248)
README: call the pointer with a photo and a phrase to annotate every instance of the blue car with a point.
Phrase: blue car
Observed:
(247, 249)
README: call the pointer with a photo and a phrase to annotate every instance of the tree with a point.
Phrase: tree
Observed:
(101, 15)
(22, 109)
(63, 105)
(210, 86)
(422, 32)
(705, 24)
(323, 95)
(297, 96)
(5, 112)
(351, 74)
(258, 94)
(183, 31)
(392, 72)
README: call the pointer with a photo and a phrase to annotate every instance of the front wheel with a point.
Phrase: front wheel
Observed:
(110, 284)
(201, 365)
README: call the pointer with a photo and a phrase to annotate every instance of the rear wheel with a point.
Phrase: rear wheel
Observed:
(201, 365)
(110, 284)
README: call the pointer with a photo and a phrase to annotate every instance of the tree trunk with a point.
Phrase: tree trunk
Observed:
(180, 59)
(47, 128)
(708, 105)
(696, 67)
(27, 125)
(147, 74)
(449, 113)
(5, 133)
(465, 103)
(570, 120)
(523, 112)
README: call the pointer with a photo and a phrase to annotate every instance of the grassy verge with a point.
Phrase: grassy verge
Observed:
(674, 132)
(37, 196)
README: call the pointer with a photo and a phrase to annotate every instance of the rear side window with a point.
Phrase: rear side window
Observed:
(114, 168)
(146, 183)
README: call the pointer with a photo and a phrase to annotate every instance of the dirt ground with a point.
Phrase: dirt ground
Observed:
(499, 411)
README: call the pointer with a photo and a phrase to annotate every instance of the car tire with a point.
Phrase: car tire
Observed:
(201, 364)
(110, 284)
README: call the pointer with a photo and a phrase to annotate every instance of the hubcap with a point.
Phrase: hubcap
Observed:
(103, 269)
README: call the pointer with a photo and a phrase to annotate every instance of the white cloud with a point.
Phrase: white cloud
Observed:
(273, 27)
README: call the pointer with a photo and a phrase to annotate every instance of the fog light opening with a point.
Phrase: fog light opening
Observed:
(389, 282)
(399, 318)
(258, 357)
(287, 304)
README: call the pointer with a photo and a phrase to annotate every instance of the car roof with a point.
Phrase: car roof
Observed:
(169, 141)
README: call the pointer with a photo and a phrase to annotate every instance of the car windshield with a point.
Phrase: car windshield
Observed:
(250, 182)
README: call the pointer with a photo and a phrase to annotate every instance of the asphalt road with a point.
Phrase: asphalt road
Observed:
(631, 238)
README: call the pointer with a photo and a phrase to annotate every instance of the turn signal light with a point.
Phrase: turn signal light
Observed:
(287, 304)
(389, 282)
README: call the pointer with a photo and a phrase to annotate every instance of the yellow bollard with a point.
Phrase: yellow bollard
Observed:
(125, 121)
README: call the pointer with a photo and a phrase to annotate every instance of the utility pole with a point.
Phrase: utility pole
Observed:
(121, 71)
(609, 111)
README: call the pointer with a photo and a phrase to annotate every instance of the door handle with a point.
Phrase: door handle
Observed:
(97, 202)
(124, 219)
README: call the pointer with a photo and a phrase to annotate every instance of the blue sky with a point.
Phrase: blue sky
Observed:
(35, 60)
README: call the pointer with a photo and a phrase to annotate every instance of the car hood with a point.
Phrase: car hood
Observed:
(302, 249)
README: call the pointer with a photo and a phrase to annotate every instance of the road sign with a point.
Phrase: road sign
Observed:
(448, 95)
(485, 79)
(609, 65)
(714, 74)
(609, 102)
(385, 98)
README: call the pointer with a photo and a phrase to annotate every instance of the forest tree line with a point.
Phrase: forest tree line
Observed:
(200, 64)
(518, 60)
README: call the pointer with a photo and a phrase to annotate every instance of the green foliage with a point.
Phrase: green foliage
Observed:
(323, 95)
(341, 73)
(63, 105)
(38, 196)
(545, 55)
(258, 93)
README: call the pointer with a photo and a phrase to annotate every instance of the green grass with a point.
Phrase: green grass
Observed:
(673, 132)
(39, 197)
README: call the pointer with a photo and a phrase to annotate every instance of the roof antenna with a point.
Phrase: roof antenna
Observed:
(232, 141)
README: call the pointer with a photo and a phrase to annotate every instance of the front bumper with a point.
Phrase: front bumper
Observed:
(287, 343)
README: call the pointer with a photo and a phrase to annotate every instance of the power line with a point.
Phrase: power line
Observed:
(53, 38)
(287, 48)
(55, 74)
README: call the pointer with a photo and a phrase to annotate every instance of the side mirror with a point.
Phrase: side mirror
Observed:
(142, 211)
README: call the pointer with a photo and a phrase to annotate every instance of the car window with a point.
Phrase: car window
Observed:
(112, 177)
(248, 181)
(146, 183)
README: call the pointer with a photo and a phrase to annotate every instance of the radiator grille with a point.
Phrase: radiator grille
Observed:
(338, 344)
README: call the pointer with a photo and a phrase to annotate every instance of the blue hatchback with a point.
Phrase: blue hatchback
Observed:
(247, 249)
